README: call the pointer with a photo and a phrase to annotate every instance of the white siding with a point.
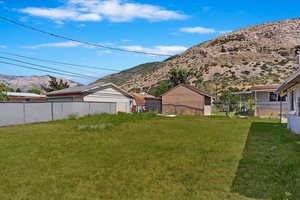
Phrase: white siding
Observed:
(110, 95)
(294, 116)
(207, 110)
(294, 123)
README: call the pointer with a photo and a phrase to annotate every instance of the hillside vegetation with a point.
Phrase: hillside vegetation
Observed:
(260, 54)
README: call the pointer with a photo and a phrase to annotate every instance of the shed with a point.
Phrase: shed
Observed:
(185, 99)
(100, 92)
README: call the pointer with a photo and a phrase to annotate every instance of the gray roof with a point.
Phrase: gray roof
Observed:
(241, 92)
(290, 82)
(87, 89)
(23, 94)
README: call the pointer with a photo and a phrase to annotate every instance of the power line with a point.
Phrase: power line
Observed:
(27, 67)
(51, 68)
(70, 64)
(59, 62)
(76, 40)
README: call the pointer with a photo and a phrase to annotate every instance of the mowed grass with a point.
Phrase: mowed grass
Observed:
(144, 156)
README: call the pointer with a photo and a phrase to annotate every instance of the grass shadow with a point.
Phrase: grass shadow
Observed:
(270, 167)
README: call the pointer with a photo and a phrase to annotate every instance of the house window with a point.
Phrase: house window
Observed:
(292, 101)
(273, 97)
(283, 99)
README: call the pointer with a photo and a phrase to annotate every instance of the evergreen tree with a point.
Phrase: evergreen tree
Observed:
(198, 82)
(3, 90)
(55, 85)
(34, 91)
(178, 76)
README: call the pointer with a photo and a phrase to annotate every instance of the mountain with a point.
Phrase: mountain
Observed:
(260, 54)
(29, 82)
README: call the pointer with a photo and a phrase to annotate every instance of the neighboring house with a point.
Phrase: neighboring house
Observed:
(291, 88)
(268, 103)
(186, 100)
(146, 103)
(100, 92)
(24, 97)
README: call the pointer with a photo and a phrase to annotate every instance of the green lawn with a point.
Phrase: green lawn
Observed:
(138, 157)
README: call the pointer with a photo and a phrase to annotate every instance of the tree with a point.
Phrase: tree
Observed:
(250, 106)
(227, 102)
(3, 90)
(34, 91)
(18, 90)
(3, 97)
(199, 81)
(160, 88)
(55, 85)
(178, 76)
(217, 77)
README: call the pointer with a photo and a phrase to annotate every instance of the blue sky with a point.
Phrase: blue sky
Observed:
(158, 26)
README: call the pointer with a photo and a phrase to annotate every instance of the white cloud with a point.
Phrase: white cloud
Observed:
(59, 44)
(96, 10)
(59, 14)
(3, 47)
(126, 40)
(202, 30)
(225, 32)
(165, 50)
(198, 29)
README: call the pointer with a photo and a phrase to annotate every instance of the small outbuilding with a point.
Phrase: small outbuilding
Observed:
(185, 99)
(100, 92)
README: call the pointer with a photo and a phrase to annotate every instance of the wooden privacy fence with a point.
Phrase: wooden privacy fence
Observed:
(33, 112)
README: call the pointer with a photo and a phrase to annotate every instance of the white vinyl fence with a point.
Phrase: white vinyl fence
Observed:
(23, 113)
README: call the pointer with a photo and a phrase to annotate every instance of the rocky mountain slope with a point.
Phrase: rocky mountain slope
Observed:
(260, 54)
(29, 82)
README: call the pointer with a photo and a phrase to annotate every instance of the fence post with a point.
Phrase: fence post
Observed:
(52, 115)
(24, 115)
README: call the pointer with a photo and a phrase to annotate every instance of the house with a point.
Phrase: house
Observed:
(100, 92)
(291, 88)
(24, 97)
(268, 102)
(186, 100)
(146, 103)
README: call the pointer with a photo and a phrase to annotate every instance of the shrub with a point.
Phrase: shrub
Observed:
(73, 117)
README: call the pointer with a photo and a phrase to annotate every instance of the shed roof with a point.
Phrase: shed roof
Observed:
(88, 89)
(202, 92)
